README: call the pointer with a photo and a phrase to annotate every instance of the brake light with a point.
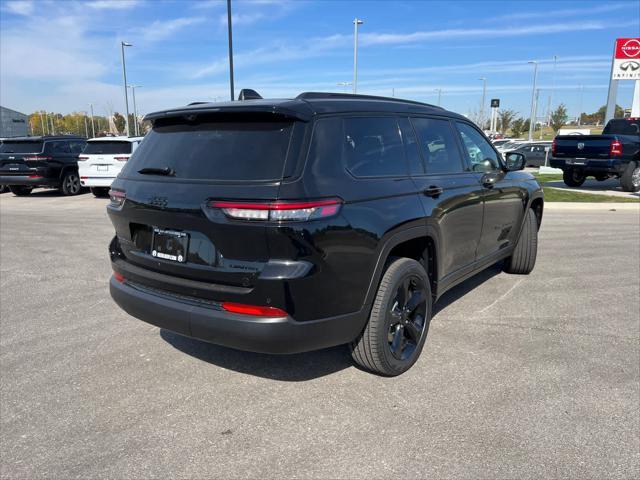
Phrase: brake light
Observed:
(121, 159)
(253, 310)
(615, 149)
(553, 148)
(82, 159)
(35, 176)
(280, 210)
(117, 198)
(36, 158)
(118, 276)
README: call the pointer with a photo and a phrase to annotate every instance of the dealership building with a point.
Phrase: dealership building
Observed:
(12, 123)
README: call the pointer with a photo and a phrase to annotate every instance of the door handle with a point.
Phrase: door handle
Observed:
(489, 180)
(433, 191)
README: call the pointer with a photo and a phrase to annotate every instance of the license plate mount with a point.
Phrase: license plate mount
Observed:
(170, 245)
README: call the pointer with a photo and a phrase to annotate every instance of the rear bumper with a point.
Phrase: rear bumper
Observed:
(29, 180)
(96, 181)
(616, 167)
(208, 322)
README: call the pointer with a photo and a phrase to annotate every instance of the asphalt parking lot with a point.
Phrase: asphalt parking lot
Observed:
(521, 377)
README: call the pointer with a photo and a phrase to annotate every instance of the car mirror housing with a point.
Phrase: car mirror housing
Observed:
(514, 161)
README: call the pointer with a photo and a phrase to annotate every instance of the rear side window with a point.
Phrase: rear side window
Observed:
(59, 148)
(411, 148)
(107, 148)
(439, 148)
(215, 150)
(7, 146)
(77, 146)
(372, 147)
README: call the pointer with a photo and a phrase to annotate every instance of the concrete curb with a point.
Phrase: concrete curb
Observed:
(591, 206)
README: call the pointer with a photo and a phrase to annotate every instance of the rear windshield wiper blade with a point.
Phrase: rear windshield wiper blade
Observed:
(169, 172)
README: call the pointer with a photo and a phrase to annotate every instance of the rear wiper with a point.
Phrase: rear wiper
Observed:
(169, 172)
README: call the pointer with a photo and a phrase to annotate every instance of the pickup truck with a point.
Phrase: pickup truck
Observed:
(615, 153)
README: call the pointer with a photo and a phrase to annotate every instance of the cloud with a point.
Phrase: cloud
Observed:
(19, 7)
(112, 4)
(162, 29)
(582, 12)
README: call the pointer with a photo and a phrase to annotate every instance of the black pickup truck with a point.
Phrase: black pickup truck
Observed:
(615, 153)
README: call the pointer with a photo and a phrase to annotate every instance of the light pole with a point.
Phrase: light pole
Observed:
(42, 124)
(230, 50)
(533, 99)
(439, 90)
(86, 126)
(126, 96)
(135, 108)
(553, 87)
(356, 22)
(344, 84)
(93, 127)
(484, 95)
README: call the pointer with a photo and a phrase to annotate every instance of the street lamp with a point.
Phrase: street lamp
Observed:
(533, 99)
(124, 77)
(135, 108)
(356, 22)
(93, 127)
(344, 84)
(439, 90)
(553, 87)
(484, 97)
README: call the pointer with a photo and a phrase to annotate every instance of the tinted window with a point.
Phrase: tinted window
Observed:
(622, 127)
(8, 146)
(411, 148)
(59, 148)
(107, 148)
(438, 144)
(372, 147)
(77, 147)
(481, 155)
(215, 150)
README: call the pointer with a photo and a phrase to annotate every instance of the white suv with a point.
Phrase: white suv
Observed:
(102, 159)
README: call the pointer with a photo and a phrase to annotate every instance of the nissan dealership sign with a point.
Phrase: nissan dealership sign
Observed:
(626, 59)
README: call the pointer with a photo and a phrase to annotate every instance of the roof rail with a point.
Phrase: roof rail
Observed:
(351, 96)
(196, 103)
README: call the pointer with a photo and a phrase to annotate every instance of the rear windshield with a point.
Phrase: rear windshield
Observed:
(8, 146)
(215, 150)
(622, 127)
(107, 148)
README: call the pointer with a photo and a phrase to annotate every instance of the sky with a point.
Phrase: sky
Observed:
(63, 55)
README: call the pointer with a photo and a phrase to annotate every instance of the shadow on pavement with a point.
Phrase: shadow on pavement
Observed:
(48, 193)
(302, 366)
(608, 187)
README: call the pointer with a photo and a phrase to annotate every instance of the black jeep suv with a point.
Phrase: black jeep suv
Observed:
(49, 161)
(284, 226)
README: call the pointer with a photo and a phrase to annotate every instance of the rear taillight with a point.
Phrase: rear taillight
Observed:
(253, 310)
(118, 277)
(121, 159)
(280, 211)
(37, 158)
(553, 148)
(615, 149)
(82, 159)
(117, 198)
(34, 177)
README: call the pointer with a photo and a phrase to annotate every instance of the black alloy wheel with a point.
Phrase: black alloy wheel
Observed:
(407, 318)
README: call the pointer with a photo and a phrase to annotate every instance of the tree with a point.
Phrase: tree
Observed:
(559, 118)
(517, 127)
(119, 122)
(505, 118)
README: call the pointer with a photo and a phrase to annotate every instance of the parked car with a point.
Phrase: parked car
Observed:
(102, 160)
(284, 226)
(510, 146)
(615, 153)
(501, 141)
(535, 153)
(49, 161)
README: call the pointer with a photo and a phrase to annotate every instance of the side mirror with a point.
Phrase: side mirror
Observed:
(514, 161)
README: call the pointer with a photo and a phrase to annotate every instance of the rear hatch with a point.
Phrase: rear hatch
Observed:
(17, 157)
(583, 146)
(104, 158)
(165, 225)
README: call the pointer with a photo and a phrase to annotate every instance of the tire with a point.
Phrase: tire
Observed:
(100, 192)
(524, 255)
(20, 190)
(573, 177)
(630, 179)
(70, 184)
(394, 336)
